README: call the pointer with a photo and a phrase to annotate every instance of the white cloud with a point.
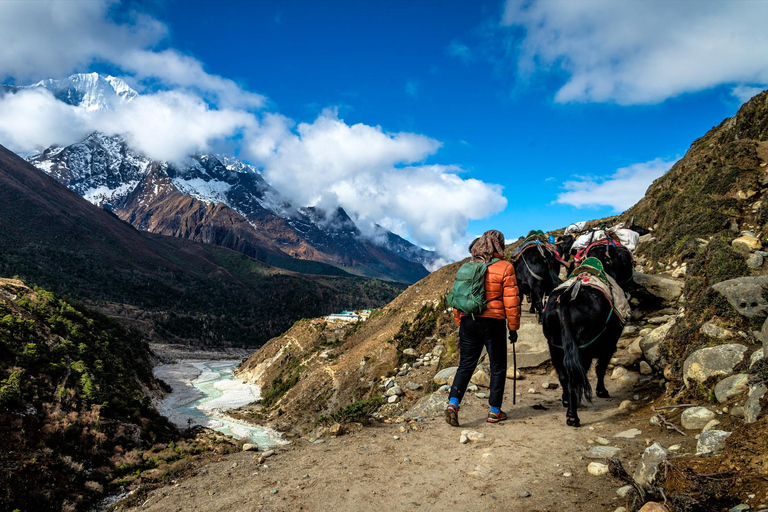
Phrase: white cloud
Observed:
(619, 191)
(641, 52)
(51, 39)
(744, 93)
(167, 125)
(460, 51)
(376, 177)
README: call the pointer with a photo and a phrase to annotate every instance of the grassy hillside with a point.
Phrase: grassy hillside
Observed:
(173, 290)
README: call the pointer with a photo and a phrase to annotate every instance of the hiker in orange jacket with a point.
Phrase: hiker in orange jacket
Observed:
(488, 328)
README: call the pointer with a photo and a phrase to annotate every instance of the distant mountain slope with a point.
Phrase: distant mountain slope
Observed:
(224, 201)
(172, 289)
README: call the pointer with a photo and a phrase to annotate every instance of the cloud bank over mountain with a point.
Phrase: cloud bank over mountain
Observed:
(378, 177)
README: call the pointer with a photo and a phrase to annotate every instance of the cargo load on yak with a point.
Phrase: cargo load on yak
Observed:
(591, 273)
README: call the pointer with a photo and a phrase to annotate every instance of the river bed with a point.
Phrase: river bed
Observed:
(203, 390)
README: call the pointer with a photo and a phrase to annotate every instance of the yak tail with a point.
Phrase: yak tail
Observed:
(577, 375)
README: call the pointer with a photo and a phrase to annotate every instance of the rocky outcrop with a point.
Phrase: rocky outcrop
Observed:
(746, 295)
(712, 362)
(666, 288)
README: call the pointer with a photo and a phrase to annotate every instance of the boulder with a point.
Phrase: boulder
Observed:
(481, 378)
(755, 261)
(715, 331)
(752, 406)
(445, 376)
(748, 242)
(745, 295)
(427, 407)
(651, 345)
(711, 441)
(652, 506)
(713, 361)
(731, 386)
(634, 347)
(663, 287)
(648, 468)
(696, 418)
(597, 468)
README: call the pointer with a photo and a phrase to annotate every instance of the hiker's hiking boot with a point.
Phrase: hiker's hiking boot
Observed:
(452, 415)
(494, 417)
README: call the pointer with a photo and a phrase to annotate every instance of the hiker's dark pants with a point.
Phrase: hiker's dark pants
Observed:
(490, 333)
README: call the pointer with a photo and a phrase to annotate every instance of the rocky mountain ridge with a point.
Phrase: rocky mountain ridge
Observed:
(215, 199)
(174, 290)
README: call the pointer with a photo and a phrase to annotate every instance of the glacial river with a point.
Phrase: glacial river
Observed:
(202, 393)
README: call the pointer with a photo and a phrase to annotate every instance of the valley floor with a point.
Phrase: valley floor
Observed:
(522, 464)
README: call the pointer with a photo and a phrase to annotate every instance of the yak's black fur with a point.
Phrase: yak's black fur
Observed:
(574, 317)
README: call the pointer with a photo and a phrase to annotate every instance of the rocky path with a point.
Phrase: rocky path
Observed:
(532, 462)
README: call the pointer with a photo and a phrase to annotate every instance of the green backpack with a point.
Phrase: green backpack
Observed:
(468, 293)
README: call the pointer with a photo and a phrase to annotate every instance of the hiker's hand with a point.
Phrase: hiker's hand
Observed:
(512, 337)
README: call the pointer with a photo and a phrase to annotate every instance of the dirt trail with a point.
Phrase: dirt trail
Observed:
(422, 464)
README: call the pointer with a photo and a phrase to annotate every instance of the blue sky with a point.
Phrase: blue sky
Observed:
(571, 107)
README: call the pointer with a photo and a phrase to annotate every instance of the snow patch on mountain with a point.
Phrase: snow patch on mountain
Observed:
(90, 91)
(102, 195)
(211, 191)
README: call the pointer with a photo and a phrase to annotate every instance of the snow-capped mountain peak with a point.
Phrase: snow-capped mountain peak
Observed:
(90, 91)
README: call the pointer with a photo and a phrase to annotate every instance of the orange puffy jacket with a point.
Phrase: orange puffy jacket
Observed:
(501, 294)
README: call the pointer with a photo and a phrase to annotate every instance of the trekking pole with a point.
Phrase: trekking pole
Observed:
(514, 375)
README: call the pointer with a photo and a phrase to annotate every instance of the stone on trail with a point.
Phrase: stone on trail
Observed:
(412, 386)
(710, 426)
(481, 378)
(731, 386)
(445, 376)
(481, 472)
(445, 389)
(713, 361)
(473, 435)
(648, 468)
(514, 374)
(745, 295)
(427, 407)
(626, 407)
(482, 395)
(623, 492)
(629, 434)
(393, 399)
(394, 390)
(602, 452)
(645, 368)
(651, 345)
(524, 494)
(711, 442)
(602, 441)
(250, 447)
(463, 439)
(597, 468)
(472, 387)
(696, 418)
(652, 506)
(618, 372)
(550, 385)
(336, 429)
(410, 352)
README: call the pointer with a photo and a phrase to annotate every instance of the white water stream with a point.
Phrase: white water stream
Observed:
(203, 391)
